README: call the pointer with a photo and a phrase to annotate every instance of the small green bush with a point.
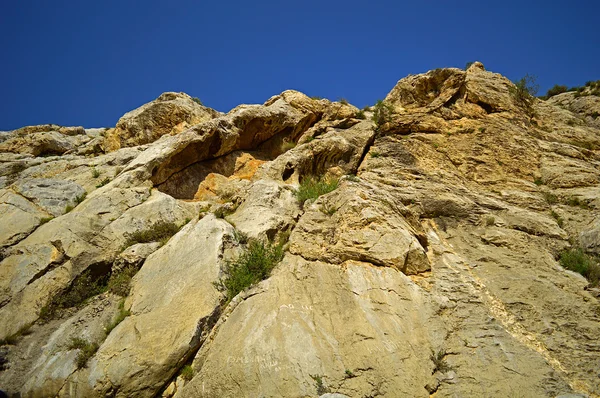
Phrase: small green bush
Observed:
(197, 100)
(577, 260)
(382, 113)
(16, 337)
(121, 315)
(349, 373)
(187, 372)
(524, 91)
(312, 187)
(376, 154)
(490, 220)
(252, 266)
(160, 231)
(556, 90)
(86, 350)
(343, 101)
(360, 115)
(95, 173)
(240, 237)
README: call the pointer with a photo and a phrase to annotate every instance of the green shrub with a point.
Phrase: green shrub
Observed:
(187, 372)
(595, 114)
(312, 187)
(524, 91)
(343, 101)
(197, 100)
(382, 113)
(121, 315)
(376, 154)
(81, 198)
(439, 361)
(556, 90)
(86, 350)
(490, 220)
(321, 388)
(577, 260)
(349, 373)
(360, 115)
(82, 288)
(120, 281)
(252, 266)
(95, 173)
(160, 231)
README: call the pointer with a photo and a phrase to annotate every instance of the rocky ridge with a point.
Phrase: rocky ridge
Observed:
(432, 269)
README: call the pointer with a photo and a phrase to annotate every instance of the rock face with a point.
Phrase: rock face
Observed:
(170, 113)
(430, 269)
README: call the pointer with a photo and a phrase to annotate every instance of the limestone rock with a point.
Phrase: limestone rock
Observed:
(52, 195)
(170, 113)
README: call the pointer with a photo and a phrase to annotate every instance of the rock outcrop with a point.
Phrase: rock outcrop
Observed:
(429, 267)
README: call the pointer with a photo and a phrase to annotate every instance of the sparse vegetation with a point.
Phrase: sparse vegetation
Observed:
(44, 220)
(16, 337)
(252, 266)
(321, 388)
(160, 231)
(121, 315)
(86, 350)
(349, 373)
(550, 198)
(576, 202)
(224, 211)
(327, 209)
(103, 182)
(240, 237)
(68, 208)
(481, 129)
(468, 65)
(95, 173)
(556, 90)
(360, 115)
(120, 281)
(490, 220)
(312, 187)
(80, 198)
(82, 288)
(382, 113)
(197, 100)
(187, 372)
(577, 260)
(353, 178)
(524, 91)
(343, 101)
(559, 219)
(439, 361)
(375, 154)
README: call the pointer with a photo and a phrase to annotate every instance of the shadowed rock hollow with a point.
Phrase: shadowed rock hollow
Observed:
(431, 270)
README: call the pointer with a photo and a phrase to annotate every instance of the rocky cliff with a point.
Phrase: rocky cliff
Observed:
(429, 266)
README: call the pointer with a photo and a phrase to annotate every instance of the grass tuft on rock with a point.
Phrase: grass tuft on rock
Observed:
(121, 315)
(160, 231)
(86, 350)
(312, 187)
(187, 372)
(577, 260)
(252, 266)
(120, 281)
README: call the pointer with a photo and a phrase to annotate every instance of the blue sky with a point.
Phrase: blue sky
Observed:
(88, 62)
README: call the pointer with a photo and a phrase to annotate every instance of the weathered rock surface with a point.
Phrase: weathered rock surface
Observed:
(432, 269)
(170, 113)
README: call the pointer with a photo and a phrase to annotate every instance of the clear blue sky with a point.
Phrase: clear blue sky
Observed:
(88, 62)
